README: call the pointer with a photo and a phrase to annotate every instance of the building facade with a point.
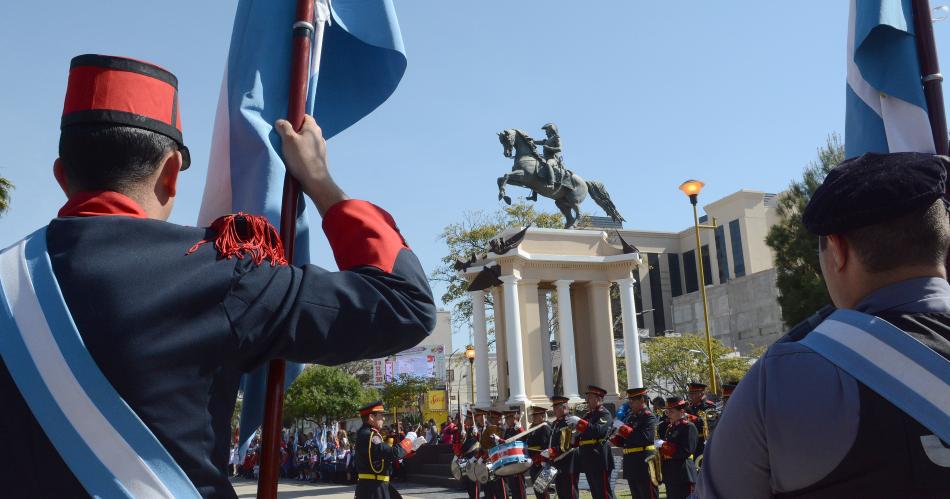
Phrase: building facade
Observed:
(739, 274)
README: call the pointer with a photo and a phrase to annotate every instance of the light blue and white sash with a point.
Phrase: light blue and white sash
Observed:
(105, 444)
(889, 361)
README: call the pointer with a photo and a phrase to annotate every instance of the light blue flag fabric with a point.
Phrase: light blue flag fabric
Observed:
(362, 62)
(885, 106)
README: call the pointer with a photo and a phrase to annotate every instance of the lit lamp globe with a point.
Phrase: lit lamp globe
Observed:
(691, 188)
(470, 353)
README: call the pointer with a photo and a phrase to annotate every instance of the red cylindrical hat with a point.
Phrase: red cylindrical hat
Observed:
(121, 91)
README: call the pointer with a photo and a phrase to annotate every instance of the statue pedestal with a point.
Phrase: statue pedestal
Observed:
(574, 270)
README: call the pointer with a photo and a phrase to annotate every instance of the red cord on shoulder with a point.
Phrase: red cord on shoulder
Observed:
(241, 235)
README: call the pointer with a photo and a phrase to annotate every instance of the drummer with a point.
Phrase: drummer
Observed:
(514, 483)
(537, 441)
(495, 488)
(468, 449)
(565, 482)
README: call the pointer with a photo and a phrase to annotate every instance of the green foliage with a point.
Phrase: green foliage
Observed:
(324, 392)
(5, 187)
(801, 287)
(669, 364)
(406, 392)
(470, 237)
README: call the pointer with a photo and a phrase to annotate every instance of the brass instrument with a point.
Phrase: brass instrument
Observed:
(655, 463)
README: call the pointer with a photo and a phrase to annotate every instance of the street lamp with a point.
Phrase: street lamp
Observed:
(692, 188)
(470, 355)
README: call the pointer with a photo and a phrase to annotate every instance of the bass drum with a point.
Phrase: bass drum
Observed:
(545, 479)
(456, 468)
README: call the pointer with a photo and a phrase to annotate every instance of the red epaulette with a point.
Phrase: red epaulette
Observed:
(241, 235)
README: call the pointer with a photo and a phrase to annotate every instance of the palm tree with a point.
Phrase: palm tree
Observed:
(5, 187)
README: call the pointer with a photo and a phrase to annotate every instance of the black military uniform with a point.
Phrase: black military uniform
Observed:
(514, 483)
(375, 458)
(596, 461)
(636, 438)
(679, 470)
(565, 482)
(537, 441)
(496, 487)
(697, 410)
(469, 450)
(664, 423)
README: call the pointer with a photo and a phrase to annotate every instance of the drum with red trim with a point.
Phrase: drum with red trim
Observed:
(509, 458)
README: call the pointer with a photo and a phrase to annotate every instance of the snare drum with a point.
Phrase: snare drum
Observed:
(545, 479)
(481, 472)
(509, 458)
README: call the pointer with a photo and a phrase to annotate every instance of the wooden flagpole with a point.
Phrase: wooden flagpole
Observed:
(303, 34)
(930, 75)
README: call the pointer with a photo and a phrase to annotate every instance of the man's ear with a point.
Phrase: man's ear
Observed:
(59, 171)
(169, 175)
(838, 247)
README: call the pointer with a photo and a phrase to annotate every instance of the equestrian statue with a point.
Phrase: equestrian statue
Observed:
(547, 175)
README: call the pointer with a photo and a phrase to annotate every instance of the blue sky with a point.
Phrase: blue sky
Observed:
(646, 94)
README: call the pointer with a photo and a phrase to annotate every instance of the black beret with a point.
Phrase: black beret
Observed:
(874, 188)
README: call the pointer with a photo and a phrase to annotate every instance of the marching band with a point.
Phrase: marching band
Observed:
(658, 446)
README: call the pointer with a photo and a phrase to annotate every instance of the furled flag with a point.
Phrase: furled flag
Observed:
(359, 67)
(886, 109)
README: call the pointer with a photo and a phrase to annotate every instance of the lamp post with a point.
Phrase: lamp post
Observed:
(470, 355)
(691, 188)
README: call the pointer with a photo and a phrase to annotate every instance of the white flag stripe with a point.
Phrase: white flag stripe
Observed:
(91, 425)
(902, 368)
(216, 200)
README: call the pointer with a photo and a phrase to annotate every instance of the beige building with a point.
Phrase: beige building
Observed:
(740, 277)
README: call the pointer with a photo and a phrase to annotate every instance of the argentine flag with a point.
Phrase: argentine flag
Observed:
(886, 108)
(360, 64)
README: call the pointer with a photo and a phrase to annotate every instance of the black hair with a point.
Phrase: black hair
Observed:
(103, 156)
(917, 238)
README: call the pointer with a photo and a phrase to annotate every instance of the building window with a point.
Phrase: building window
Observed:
(707, 266)
(689, 271)
(721, 258)
(676, 288)
(656, 294)
(735, 237)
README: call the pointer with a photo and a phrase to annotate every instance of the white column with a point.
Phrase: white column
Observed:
(631, 337)
(482, 378)
(546, 343)
(566, 339)
(513, 340)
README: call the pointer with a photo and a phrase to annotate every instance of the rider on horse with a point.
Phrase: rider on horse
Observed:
(553, 163)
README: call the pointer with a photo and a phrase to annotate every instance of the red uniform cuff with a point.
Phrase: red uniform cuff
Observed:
(361, 233)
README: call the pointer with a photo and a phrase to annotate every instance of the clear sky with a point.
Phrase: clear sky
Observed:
(646, 94)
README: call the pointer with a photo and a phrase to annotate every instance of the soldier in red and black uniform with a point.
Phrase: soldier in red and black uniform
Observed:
(561, 451)
(659, 408)
(375, 457)
(698, 404)
(173, 324)
(594, 455)
(496, 488)
(635, 436)
(537, 441)
(514, 483)
(679, 470)
(467, 448)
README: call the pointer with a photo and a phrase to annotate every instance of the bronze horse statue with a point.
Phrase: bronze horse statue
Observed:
(569, 189)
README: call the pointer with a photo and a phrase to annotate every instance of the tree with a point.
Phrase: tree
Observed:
(359, 369)
(670, 362)
(5, 187)
(470, 237)
(405, 392)
(324, 392)
(801, 288)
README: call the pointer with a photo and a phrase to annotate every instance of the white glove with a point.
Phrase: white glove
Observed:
(411, 435)
(658, 443)
(617, 424)
(572, 420)
(418, 442)
(546, 453)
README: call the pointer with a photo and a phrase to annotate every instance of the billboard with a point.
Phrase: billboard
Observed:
(426, 361)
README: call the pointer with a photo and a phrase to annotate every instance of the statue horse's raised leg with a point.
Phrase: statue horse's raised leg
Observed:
(502, 195)
(567, 210)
